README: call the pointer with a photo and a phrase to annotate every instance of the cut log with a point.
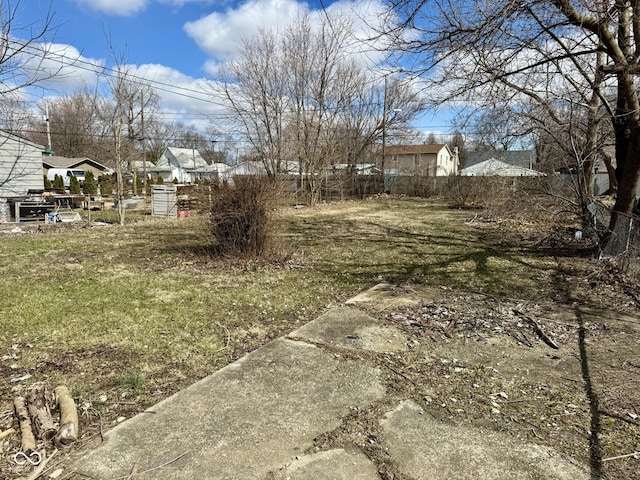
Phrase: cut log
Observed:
(41, 420)
(28, 440)
(69, 427)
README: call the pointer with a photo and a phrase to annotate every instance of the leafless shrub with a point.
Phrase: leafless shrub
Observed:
(472, 192)
(241, 216)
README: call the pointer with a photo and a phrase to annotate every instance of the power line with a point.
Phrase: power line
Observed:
(115, 73)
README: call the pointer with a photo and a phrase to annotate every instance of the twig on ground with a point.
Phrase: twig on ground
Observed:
(450, 326)
(97, 413)
(634, 455)
(227, 339)
(133, 471)
(399, 373)
(43, 464)
(538, 329)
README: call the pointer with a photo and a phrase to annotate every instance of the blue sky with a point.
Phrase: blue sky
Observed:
(175, 42)
(153, 35)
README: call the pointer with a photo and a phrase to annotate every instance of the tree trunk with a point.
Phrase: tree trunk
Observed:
(617, 239)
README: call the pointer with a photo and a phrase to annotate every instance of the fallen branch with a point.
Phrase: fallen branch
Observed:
(69, 427)
(28, 440)
(538, 329)
(634, 455)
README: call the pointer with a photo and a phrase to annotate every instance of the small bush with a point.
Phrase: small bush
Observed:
(471, 192)
(74, 185)
(241, 216)
(90, 186)
(58, 181)
(47, 182)
(106, 185)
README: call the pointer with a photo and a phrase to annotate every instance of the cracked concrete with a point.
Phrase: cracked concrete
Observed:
(258, 418)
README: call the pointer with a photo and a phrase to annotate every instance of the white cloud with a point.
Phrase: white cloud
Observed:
(220, 33)
(61, 67)
(181, 96)
(115, 7)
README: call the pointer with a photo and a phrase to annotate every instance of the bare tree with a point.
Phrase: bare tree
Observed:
(23, 49)
(253, 84)
(15, 114)
(74, 125)
(301, 96)
(535, 50)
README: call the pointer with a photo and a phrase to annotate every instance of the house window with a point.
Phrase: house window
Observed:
(394, 158)
(416, 161)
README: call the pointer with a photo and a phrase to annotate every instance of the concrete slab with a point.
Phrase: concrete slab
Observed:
(386, 295)
(428, 449)
(332, 465)
(242, 422)
(348, 327)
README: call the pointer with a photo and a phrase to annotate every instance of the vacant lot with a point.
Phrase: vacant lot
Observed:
(125, 316)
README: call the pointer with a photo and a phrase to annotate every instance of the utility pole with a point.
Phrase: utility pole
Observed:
(46, 109)
(144, 143)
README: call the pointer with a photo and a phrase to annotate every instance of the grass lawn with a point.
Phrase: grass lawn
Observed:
(127, 315)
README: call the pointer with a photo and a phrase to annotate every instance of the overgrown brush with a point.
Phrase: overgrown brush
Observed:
(241, 216)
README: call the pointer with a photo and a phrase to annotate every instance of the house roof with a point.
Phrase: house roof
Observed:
(357, 167)
(247, 168)
(218, 167)
(139, 165)
(414, 149)
(187, 158)
(519, 158)
(20, 139)
(54, 161)
(495, 167)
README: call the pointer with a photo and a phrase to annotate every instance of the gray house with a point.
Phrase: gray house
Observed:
(20, 165)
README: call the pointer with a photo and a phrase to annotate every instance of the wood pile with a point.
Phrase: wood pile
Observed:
(43, 419)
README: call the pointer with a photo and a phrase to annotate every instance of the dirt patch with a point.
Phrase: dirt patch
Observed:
(554, 375)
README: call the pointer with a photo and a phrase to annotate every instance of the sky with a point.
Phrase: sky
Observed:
(175, 43)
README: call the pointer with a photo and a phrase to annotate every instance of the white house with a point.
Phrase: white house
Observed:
(20, 165)
(184, 164)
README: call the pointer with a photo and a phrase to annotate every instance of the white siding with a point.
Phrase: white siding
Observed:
(20, 166)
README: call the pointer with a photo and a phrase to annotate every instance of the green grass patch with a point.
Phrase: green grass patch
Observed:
(144, 308)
